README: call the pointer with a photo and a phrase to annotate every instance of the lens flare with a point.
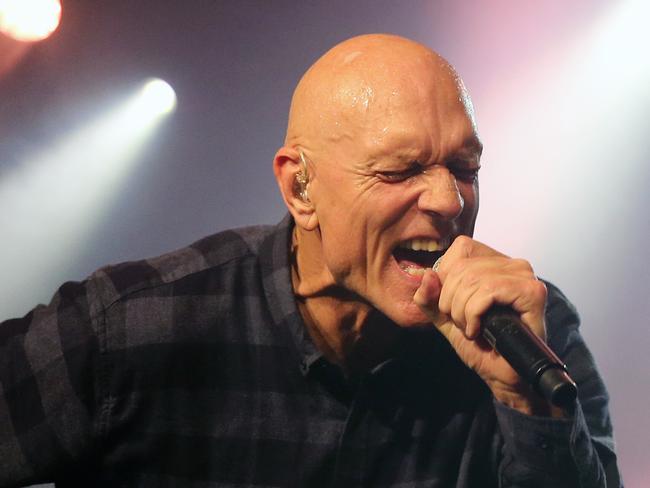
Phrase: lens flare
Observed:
(29, 20)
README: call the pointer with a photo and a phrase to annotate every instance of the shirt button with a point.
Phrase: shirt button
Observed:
(542, 442)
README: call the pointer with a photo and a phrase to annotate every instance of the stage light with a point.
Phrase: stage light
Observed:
(158, 97)
(61, 192)
(29, 20)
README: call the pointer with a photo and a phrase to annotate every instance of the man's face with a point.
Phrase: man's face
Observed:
(402, 178)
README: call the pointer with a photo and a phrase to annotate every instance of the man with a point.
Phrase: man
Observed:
(324, 351)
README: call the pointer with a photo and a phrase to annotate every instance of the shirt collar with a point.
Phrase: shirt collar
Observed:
(276, 276)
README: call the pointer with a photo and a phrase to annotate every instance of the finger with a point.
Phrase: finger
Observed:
(475, 307)
(474, 295)
(531, 306)
(462, 248)
(457, 294)
(461, 313)
(427, 295)
(525, 296)
(466, 276)
(468, 294)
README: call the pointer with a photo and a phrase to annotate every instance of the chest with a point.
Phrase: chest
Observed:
(249, 417)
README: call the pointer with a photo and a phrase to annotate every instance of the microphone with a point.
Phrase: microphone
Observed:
(528, 355)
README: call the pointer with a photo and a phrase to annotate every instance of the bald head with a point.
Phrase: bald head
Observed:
(364, 82)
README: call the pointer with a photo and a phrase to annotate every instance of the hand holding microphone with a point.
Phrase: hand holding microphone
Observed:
(461, 297)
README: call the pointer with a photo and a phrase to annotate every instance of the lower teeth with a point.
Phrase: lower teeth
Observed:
(414, 271)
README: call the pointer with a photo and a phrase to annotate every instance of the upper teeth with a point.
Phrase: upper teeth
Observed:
(422, 245)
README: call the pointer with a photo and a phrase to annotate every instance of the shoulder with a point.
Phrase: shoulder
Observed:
(226, 249)
(212, 291)
(562, 318)
(558, 306)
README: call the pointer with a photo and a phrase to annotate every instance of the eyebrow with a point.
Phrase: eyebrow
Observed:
(471, 145)
(474, 142)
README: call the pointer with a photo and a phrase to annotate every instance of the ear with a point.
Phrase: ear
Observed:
(290, 174)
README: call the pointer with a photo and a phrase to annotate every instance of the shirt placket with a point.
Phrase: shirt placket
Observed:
(361, 440)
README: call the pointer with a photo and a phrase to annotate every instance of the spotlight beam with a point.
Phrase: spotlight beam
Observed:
(60, 194)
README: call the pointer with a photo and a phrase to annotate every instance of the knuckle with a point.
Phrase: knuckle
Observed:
(539, 290)
(445, 308)
(458, 316)
(463, 245)
(523, 265)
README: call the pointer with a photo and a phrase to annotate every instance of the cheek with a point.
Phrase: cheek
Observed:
(390, 206)
(343, 243)
(357, 227)
(470, 210)
(351, 243)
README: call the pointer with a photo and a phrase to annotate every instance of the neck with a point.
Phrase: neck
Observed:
(344, 327)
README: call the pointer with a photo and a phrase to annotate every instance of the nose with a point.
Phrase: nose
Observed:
(440, 194)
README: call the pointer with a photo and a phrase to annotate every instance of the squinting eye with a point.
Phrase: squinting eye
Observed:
(397, 176)
(467, 175)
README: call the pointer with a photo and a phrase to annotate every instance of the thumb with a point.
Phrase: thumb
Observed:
(427, 295)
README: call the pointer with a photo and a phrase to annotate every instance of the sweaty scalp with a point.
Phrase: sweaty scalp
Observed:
(363, 79)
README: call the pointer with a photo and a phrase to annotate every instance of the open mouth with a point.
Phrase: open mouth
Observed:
(415, 255)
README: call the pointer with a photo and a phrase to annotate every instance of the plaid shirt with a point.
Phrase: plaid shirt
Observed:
(194, 369)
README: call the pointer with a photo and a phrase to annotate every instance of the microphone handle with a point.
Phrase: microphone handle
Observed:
(528, 355)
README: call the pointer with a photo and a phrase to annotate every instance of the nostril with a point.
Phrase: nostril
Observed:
(448, 204)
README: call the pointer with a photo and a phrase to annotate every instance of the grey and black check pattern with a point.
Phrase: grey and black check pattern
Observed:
(194, 370)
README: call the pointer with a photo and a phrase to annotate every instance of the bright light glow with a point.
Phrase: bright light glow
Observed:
(29, 20)
(613, 52)
(565, 177)
(575, 114)
(158, 97)
(59, 195)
